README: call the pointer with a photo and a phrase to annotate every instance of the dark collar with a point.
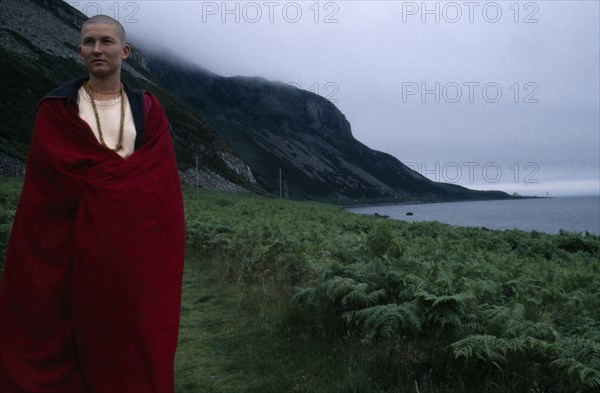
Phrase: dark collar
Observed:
(68, 90)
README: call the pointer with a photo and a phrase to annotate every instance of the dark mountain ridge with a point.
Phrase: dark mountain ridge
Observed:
(244, 130)
(276, 126)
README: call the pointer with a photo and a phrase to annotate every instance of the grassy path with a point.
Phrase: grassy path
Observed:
(223, 346)
(212, 337)
(234, 338)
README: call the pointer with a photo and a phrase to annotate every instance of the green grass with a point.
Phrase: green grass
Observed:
(284, 296)
(239, 337)
(9, 197)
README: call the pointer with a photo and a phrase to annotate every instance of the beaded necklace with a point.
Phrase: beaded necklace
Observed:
(89, 89)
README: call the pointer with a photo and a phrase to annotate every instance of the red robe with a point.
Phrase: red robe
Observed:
(91, 289)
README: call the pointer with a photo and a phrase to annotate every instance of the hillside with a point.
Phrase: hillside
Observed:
(273, 125)
(38, 51)
(243, 130)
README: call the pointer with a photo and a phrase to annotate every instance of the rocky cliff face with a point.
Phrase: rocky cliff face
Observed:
(275, 126)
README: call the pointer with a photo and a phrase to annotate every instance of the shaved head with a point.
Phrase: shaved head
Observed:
(103, 49)
(106, 20)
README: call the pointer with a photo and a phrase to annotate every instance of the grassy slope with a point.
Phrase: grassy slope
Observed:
(534, 298)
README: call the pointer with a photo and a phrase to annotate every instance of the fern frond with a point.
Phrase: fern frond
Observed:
(337, 287)
(386, 320)
(484, 345)
(307, 297)
(445, 277)
(496, 348)
(445, 309)
(578, 358)
(359, 296)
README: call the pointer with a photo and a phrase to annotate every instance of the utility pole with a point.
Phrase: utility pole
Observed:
(280, 185)
(197, 175)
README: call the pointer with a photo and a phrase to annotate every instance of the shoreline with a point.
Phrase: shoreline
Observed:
(422, 202)
(553, 215)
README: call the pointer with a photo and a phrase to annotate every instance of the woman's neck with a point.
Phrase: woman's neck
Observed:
(104, 89)
(105, 86)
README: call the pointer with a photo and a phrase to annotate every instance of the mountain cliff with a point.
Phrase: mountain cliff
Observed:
(276, 126)
(244, 130)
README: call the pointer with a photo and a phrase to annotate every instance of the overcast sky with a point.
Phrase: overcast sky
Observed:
(489, 95)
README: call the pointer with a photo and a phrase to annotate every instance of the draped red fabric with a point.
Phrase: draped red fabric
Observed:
(91, 289)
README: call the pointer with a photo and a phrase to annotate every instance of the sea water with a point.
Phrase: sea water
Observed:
(550, 215)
